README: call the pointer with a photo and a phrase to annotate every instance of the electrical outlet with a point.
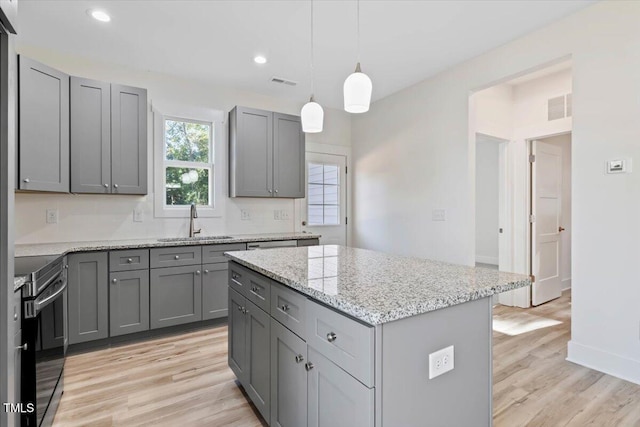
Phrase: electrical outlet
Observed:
(439, 215)
(284, 215)
(440, 362)
(245, 215)
(52, 216)
(137, 215)
(277, 214)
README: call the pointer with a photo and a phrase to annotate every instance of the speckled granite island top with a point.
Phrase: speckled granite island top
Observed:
(62, 248)
(376, 287)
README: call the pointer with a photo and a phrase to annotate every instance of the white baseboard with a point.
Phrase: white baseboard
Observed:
(566, 284)
(609, 363)
(487, 259)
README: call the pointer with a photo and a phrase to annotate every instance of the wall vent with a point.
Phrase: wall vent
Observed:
(283, 81)
(559, 107)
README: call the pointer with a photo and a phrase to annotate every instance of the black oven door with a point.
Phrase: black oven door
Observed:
(43, 359)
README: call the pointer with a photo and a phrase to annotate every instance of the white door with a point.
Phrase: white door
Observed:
(546, 189)
(324, 210)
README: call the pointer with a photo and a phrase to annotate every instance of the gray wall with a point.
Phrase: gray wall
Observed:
(8, 79)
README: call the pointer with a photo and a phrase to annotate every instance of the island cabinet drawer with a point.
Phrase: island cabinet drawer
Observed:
(288, 308)
(127, 260)
(254, 286)
(346, 342)
(213, 254)
(176, 256)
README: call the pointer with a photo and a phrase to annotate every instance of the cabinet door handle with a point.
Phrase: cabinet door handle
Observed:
(276, 191)
(299, 358)
(22, 347)
(115, 185)
(129, 260)
(331, 337)
(15, 316)
(27, 180)
(235, 276)
(240, 309)
(177, 257)
(245, 311)
(269, 191)
(197, 272)
(285, 307)
(206, 272)
(106, 186)
(114, 280)
(308, 366)
(254, 289)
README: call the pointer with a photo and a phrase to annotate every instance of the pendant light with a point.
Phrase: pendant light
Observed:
(312, 115)
(358, 86)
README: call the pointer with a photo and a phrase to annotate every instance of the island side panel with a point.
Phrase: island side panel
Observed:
(461, 397)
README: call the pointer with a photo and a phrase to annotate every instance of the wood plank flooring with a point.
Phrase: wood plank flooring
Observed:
(184, 380)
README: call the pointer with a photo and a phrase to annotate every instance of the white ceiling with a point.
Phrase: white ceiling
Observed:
(402, 42)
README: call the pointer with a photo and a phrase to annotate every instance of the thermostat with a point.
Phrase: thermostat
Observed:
(619, 166)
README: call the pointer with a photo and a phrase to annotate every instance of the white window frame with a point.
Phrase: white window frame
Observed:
(217, 197)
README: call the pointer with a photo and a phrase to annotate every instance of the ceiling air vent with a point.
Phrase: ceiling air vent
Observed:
(283, 81)
(559, 107)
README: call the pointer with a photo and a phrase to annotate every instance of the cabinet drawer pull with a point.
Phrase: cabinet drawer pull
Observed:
(197, 272)
(331, 337)
(235, 276)
(299, 358)
(308, 366)
(106, 186)
(239, 309)
(254, 289)
(177, 257)
(206, 272)
(129, 260)
(15, 316)
(27, 180)
(285, 307)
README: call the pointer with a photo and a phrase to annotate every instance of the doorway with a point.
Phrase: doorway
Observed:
(550, 219)
(324, 209)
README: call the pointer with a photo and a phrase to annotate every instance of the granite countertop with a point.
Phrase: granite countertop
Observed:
(62, 248)
(376, 287)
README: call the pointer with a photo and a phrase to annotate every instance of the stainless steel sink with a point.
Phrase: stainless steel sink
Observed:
(194, 239)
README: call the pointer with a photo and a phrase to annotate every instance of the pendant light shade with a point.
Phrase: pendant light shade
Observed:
(312, 116)
(357, 92)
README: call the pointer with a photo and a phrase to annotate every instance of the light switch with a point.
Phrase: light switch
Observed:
(52, 216)
(137, 215)
(439, 215)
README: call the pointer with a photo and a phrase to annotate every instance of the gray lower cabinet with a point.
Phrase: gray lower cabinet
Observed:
(88, 297)
(288, 378)
(128, 140)
(335, 398)
(258, 335)
(175, 295)
(43, 128)
(237, 335)
(128, 302)
(214, 290)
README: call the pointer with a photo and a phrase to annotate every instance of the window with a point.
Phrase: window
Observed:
(187, 140)
(323, 201)
(188, 162)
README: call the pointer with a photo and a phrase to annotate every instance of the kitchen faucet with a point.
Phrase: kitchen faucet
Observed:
(193, 215)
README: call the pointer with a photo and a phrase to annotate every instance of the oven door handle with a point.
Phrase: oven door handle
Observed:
(40, 304)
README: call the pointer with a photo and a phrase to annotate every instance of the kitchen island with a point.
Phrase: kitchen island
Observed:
(337, 336)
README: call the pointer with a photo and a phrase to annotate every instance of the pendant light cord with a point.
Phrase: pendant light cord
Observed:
(312, 71)
(358, 30)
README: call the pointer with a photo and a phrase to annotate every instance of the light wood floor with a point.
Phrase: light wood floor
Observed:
(184, 380)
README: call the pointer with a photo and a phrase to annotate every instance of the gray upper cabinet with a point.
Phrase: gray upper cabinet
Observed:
(88, 297)
(288, 156)
(250, 153)
(335, 398)
(128, 302)
(43, 128)
(9, 14)
(128, 140)
(175, 295)
(90, 136)
(288, 378)
(266, 154)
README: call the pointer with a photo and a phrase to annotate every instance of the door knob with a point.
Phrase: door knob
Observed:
(560, 229)
(304, 222)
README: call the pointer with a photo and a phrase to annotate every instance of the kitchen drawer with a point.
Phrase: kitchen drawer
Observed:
(212, 254)
(288, 308)
(308, 242)
(176, 256)
(254, 286)
(238, 278)
(127, 260)
(346, 342)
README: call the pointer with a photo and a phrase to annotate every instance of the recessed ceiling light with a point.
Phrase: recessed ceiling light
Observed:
(260, 59)
(99, 15)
